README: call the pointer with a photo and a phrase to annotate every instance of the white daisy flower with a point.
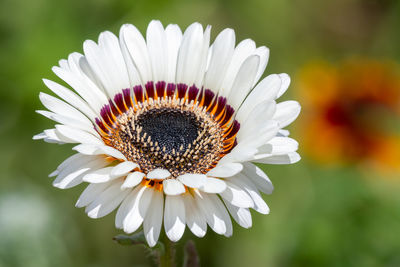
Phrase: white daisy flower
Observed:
(168, 128)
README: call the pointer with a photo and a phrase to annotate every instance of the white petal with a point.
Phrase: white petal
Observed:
(279, 145)
(259, 136)
(71, 98)
(99, 176)
(289, 158)
(134, 76)
(125, 207)
(173, 187)
(225, 170)
(216, 215)
(54, 136)
(284, 133)
(263, 53)
(239, 154)
(174, 37)
(287, 112)
(80, 67)
(222, 51)
(258, 177)
(133, 179)
(90, 194)
(190, 55)
(93, 149)
(158, 174)
(192, 180)
(241, 215)
(110, 151)
(107, 201)
(116, 68)
(285, 84)
(60, 107)
(153, 220)
(243, 81)
(82, 84)
(174, 217)
(123, 168)
(242, 51)
(156, 45)
(204, 57)
(77, 157)
(106, 61)
(259, 116)
(54, 173)
(195, 219)
(213, 185)
(259, 203)
(137, 48)
(73, 174)
(266, 90)
(69, 121)
(78, 136)
(39, 136)
(237, 196)
(137, 209)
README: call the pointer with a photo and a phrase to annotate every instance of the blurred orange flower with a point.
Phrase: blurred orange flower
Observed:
(351, 113)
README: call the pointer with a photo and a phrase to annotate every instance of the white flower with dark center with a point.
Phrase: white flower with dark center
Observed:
(168, 128)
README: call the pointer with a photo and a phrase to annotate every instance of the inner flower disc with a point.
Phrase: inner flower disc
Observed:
(180, 129)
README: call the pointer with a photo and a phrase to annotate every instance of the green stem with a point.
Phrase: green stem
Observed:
(167, 259)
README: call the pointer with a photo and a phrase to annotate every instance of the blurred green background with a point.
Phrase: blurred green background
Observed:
(321, 215)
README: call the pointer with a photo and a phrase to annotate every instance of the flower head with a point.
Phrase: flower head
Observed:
(351, 112)
(167, 128)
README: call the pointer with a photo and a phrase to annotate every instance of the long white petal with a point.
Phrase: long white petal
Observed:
(60, 107)
(260, 115)
(195, 219)
(153, 220)
(243, 81)
(157, 47)
(90, 193)
(69, 121)
(137, 48)
(287, 112)
(258, 177)
(242, 51)
(190, 55)
(237, 196)
(137, 209)
(259, 203)
(289, 158)
(216, 215)
(106, 61)
(241, 215)
(78, 136)
(71, 98)
(73, 174)
(263, 53)
(107, 201)
(222, 51)
(174, 217)
(174, 37)
(285, 84)
(99, 176)
(266, 90)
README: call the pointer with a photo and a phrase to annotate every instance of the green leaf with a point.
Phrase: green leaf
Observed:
(139, 239)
